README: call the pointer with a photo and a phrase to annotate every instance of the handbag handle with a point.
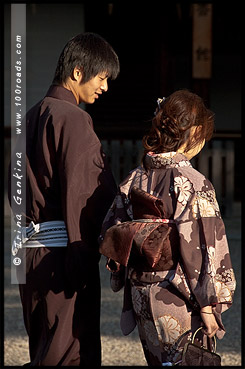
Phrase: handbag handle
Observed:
(195, 333)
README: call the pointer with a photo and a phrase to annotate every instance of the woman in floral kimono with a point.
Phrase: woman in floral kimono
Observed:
(165, 240)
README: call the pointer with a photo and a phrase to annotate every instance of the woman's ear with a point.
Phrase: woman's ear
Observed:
(197, 129)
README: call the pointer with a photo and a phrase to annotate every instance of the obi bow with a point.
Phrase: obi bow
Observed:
(146, 234)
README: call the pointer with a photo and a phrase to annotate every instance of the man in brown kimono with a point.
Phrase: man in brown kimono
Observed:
(69, 188)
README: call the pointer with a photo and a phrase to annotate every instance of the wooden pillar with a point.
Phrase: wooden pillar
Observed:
(202, 49)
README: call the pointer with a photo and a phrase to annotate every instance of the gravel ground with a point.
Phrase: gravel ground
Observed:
(118, 350)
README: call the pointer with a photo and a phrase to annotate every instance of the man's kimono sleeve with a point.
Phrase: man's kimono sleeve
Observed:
(87, 190)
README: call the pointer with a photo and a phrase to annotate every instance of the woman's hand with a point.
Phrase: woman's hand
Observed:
(209, 321)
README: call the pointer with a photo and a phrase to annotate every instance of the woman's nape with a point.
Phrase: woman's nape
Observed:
(193, 151)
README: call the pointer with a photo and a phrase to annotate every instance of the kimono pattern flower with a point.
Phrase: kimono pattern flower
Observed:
(167, 307)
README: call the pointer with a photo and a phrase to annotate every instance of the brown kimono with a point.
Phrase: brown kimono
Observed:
(177, 257)
(67, 179)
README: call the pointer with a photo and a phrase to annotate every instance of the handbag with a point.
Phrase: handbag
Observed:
(194, 355)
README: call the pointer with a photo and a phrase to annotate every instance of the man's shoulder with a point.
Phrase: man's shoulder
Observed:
(62, 116)
(57, 108)
(63, 108)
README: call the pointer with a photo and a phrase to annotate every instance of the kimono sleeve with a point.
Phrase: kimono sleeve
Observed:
(87, 184)
(204, 249)
(87, 190)
(117, 213)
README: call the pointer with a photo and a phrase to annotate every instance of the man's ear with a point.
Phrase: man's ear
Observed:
(77, 75)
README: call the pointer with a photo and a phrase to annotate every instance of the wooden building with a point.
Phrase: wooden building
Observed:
(156, 47)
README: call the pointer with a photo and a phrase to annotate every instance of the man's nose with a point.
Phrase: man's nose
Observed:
(104, 86)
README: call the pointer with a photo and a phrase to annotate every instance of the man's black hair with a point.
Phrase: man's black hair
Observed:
(91, 53)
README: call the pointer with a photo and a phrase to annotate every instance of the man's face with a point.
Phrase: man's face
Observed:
(89, 91)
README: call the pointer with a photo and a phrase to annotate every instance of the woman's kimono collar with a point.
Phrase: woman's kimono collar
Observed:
(166, 160)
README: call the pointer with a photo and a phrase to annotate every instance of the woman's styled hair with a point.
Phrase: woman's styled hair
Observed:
(91, 53)
(171, 126)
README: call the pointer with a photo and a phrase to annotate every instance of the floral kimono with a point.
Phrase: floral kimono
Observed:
(183, 263)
